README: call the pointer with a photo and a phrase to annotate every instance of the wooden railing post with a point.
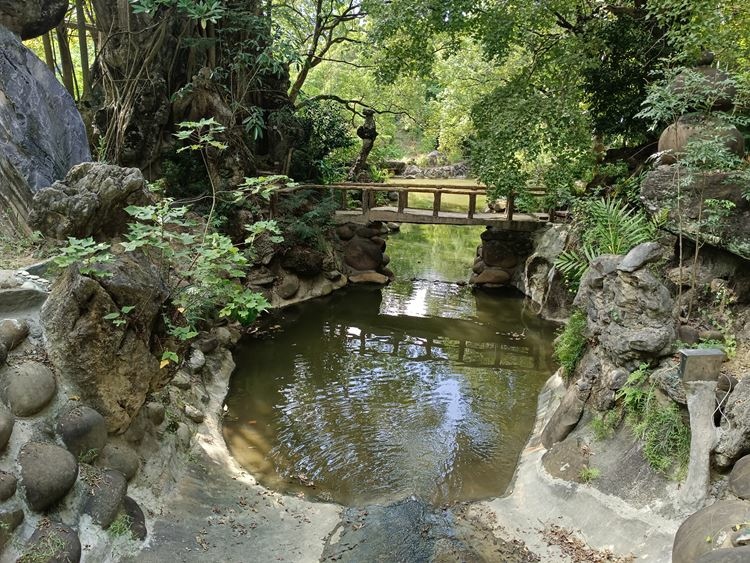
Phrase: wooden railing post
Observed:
(403, 197)
(365, 201)
(436, 204)
(343, 202)
(472, 204)
(510, 201)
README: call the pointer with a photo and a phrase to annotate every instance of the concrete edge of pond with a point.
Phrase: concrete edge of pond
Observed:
(536, 500)
(218, 510)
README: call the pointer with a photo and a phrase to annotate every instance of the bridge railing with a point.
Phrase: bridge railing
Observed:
(369, 191)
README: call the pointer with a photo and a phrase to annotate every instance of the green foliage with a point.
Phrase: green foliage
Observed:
(604, 424)
(200, 134)
(118, 318)
(606, 226)
(571, 343)
(203, 11)
(665, 435)
(88, 254)
(588, 474)
(305, 216)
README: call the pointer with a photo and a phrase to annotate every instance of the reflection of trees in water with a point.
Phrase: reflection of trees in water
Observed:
(367, 404)
(433, 251)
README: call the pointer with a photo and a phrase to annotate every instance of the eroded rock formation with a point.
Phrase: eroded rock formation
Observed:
(112, 366)
(90, 201)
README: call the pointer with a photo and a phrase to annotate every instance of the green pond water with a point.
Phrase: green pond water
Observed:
(421, 388)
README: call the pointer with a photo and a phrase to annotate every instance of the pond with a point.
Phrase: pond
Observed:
(371, 395)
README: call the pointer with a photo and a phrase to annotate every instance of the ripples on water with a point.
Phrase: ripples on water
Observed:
(422, 388)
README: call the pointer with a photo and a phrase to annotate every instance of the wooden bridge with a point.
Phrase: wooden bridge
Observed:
(368, 209)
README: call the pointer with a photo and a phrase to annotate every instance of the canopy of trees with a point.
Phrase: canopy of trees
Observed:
(534, 94)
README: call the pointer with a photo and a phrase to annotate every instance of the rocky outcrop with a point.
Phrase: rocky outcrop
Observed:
(541, 282)
(459, 170)
(363, 252)
(32, 18)
(734, 440)
(112, 367)
(42, 135)
(501, 257)
(90, 201)
(629, 312)
(15, 200)
(629, 317)
(692, 215)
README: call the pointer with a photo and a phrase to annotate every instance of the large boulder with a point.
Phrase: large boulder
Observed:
(628, 313)
(693, 127)
(90, 201)
(31, 18)
(659, 192)
(53, 542)
(112, 367)
(734, 440)
(42, 135)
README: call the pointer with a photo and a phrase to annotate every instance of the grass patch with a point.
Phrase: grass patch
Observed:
(604, 425)
(49, 548)
(588, 474)
(661, 427)
(571, 343)
(121, 526)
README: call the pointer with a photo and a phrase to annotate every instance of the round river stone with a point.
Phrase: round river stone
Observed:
(56, 541)
(30, 387)
(48, 472)
(84, 431)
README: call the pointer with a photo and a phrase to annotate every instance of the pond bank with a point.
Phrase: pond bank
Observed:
(218, 511)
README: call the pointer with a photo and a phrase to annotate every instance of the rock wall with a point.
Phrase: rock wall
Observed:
(629, 322)
(501, 258)
(541, 282)
(63, 477)
(362, 248)
(42, 134)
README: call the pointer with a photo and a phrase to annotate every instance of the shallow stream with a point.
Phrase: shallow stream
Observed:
(371, 395)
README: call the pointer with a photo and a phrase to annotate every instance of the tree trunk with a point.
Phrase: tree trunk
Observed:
(49, 53)
(368, 133)
(83, 46)
(66, 61)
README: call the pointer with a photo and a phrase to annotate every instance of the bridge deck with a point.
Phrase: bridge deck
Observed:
(402, 213)
(520, 221)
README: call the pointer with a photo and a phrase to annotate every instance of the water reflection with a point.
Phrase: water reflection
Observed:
(423, 388)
